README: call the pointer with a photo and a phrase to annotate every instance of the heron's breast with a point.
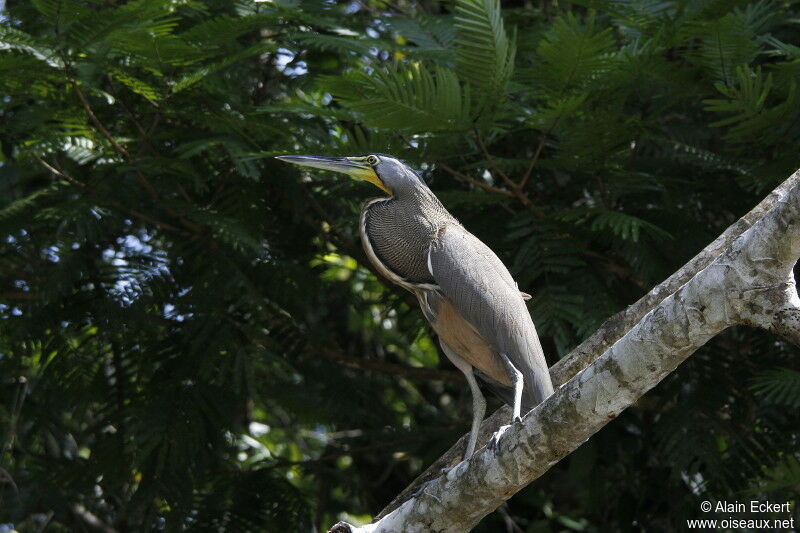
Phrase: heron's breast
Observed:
(397, 240)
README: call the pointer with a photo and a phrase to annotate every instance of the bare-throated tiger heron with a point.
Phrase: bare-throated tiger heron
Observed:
(465, 291)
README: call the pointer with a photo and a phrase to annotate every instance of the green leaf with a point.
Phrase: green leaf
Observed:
(433, 33)
(198, 75)
(432, 36)
(408, 98)
(484, 52)
(136, 85)
(555, 310)
(13, 39)
(780, 386)
(573, 54)
(782, 49)
(29, 203)
(622, 225)
(747, 103)
(783, 475)
(725, 43)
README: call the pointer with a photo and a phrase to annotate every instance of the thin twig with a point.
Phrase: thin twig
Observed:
(458, 175)
(511, 524)
(60, 174)
(183, 193)
(515, 193)
(623, 271)
(18, 296)
(515, 187)
(152, 127)
(492, 163)
(99, 125)
(151, 191)
(538, 152)
(140, 177)
(385, 367)
(130, 114)
(419, 435)
(91, 520)
(534, 160)
(143, 181)
(111, 203)
(382, 367)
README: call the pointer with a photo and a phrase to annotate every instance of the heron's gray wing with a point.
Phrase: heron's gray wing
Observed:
(483, 291)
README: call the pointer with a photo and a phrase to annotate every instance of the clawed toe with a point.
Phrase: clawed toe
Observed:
(494, 442)
(421, 489)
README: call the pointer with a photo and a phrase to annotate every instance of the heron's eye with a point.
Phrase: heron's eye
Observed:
(372, 160)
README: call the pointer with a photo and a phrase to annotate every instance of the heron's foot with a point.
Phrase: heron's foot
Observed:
(494, 442)
(422, 488)
(417, 493)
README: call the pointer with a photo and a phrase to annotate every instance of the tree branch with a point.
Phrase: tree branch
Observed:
(785, 321)
(371, 365)
(492, 163)
(96, 121)
(385, 367)
(462, 177)
(532, 165)
(121, 150)
(18, 295)
(739, 279)
(609, 332)
(535, 158)
(613, 328)
(107, 201)
(90, 520)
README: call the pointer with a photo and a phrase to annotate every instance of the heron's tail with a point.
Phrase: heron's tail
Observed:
(538, 385)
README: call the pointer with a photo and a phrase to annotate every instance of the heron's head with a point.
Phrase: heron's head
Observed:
(384, 171)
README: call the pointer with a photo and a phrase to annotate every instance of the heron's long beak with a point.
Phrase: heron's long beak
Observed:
(356, 167)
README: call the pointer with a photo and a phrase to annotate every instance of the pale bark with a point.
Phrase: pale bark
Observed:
(743, 277)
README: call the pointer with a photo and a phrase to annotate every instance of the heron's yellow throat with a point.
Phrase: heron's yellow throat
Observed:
(356, 167)
(366, 172)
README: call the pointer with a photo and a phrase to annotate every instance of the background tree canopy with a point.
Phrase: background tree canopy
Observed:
(191, 337)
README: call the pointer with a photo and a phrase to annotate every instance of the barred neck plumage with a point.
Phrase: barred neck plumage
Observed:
(397, 233)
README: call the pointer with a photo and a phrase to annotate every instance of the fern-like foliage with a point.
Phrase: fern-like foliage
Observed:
(780, 386)
(485, 53)
(783, 475)
(190, 335)
(747, 104)
(572, 54)
(623, 226)
(432, 37)
(409, 98)
(14, 39)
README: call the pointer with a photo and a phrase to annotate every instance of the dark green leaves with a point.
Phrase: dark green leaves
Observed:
(573, 54)
(190, 334)
(410, 98)
(779, 386)
(484, 52)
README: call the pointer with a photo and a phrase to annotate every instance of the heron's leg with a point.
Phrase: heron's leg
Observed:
(478, 402)
(478, 410)
(517, 382)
